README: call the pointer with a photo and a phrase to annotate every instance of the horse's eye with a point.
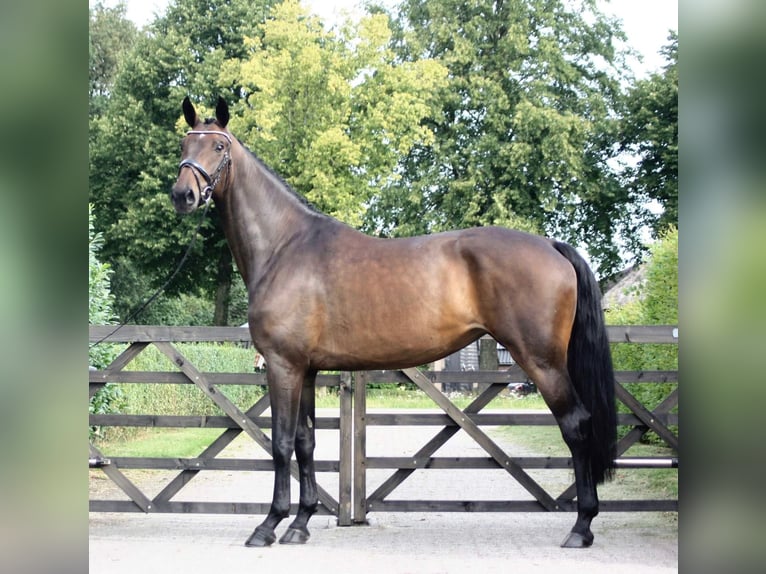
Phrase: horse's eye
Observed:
(219, 146)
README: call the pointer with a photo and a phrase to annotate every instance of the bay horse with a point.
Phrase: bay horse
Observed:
(324, 296)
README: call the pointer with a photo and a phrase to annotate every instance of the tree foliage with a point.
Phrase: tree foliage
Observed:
(440, 114)
(110, 37)
(650, 132)
(134, 149)
(528, 119)
(656, 303)
(333, 112)
(100, 312)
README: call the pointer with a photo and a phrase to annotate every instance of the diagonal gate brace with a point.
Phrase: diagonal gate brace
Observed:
(483, 440)
(435, 443)
(133, 492)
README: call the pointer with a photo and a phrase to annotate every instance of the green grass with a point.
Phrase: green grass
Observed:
(163, 443)
(644, 483)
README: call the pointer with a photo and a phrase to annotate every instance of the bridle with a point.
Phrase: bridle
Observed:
(211, 181)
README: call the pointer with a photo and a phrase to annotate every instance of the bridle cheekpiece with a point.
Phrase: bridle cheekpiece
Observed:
(211, 181)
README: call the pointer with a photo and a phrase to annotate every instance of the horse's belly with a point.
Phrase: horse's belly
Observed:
(402, 343)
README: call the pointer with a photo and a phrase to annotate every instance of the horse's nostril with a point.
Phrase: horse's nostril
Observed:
(189, 196)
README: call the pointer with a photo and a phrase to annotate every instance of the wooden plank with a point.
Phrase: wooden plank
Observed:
(646, 377)
(638, 334)
(482, 439)
(660, 505)
(494, 419)
(176, 334)
(345, 450)
(642, 333)
(182, 507)
(461, 506)
(515, 375)
(192, 421)
(360, 447)
(262, 508)
(478, 463)
(151, 333)
(259, 379)
(439, 419)
(178, 378)
(206, 463)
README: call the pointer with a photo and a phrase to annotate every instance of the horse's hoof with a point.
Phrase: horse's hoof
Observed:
(261, 538)
(295, 536)
(576, 540)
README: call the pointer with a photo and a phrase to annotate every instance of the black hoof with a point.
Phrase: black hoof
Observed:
(261, 538)
(576, 540)
(295, 536)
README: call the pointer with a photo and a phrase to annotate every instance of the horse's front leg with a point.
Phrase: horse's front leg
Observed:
(284, 392)
(298, 532)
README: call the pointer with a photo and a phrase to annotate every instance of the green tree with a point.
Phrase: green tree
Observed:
(100, 298)
(650, 132)
(134, 150)
(110, 37)
(100, 302)
(656, 303)
(333, 112)
(528, 120)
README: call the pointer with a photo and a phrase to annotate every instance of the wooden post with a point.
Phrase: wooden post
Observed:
(360, 448)
(346, 449)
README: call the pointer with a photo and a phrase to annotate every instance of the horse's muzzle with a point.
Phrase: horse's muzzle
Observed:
(184, 199)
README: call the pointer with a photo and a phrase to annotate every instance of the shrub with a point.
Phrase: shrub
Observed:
(180, 399)
(100, 301)
(656, 304)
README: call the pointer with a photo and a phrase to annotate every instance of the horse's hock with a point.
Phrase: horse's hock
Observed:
(354, 481)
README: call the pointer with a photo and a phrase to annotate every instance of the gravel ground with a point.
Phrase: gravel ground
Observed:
(392, 543)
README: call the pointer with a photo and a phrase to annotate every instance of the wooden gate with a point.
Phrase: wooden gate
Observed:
(235, 422)
(352, 424)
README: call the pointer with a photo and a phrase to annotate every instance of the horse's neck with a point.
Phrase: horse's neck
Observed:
(260, 215)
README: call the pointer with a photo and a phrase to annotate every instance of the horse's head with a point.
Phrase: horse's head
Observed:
(205, 158)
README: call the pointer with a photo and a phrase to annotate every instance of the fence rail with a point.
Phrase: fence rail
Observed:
(352, 502)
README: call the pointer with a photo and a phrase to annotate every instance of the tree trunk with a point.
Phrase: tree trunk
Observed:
(223, 290)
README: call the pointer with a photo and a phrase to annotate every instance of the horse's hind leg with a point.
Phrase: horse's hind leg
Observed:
(576, 430)
(574, 421)
(305, 441)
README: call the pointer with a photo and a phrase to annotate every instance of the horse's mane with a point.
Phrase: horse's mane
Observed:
(281, 180)
(264, 165)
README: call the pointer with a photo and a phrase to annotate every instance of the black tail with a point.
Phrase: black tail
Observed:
(590, 366)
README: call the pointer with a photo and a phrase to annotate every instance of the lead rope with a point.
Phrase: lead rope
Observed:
(164, 286)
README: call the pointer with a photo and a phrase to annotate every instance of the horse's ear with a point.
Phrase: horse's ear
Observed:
(222, 112)
(190, 114)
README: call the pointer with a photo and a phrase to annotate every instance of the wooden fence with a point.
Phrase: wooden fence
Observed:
(352, 502)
